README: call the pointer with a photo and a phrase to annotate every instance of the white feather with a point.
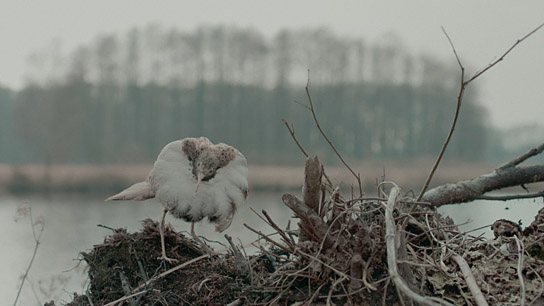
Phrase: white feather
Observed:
(174, 184)
(138, 192)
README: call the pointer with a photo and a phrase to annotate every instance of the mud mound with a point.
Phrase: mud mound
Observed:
(127, 263)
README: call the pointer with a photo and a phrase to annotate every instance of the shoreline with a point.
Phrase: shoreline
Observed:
(100, 178)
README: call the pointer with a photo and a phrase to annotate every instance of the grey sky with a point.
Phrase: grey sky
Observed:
(481, 31)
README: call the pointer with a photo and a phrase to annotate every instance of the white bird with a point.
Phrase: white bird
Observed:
(194, 179)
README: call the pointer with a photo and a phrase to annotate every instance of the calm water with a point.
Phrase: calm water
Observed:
(71, 227)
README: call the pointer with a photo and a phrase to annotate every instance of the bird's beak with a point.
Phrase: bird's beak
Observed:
(199, 180)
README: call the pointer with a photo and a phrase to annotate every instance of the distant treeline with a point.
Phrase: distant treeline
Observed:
(123, 97)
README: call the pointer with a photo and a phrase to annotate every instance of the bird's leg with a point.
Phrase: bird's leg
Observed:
(161, 231)
(195, 237)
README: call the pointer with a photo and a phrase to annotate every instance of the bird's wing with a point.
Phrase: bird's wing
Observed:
(172, 177)
(138, 192)
(232, 180)
(241, 163)
(236, 173)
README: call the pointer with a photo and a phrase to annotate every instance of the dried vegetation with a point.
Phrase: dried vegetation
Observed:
(346, 250)
(356, 251)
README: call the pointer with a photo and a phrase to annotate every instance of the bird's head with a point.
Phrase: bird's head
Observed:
(205, 167)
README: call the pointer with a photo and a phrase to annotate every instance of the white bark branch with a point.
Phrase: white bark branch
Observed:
(471, 189)
(390, 237)
(471, 281)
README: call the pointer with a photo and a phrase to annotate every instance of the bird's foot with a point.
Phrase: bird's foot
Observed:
(167, 259)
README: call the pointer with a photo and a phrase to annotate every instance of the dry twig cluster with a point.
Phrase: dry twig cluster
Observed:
(390, 249)
(357, 251)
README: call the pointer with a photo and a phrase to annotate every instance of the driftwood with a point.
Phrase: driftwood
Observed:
(311, 225)
(472, 189)
(508, 175)
(311, 191)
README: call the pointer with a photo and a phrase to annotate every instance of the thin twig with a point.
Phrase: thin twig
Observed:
(512, 197)
(522, 158)
(291, 129)
(539, 293)
(268, 239)
(174, 269)
(505, 53)
(287, 240)
(520, 269)
(455, 117)
(126, 297)
(37, 238)
(470, 280)
(312, 109)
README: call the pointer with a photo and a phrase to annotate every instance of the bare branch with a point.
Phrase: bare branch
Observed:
(291, 129)
(504, 54)
(512, 197)
(264, 236)
(126, 297)
(454, 50)
(289, 241)
(471, 189)
(524, 157)
(312, 109)
(455, 117)
(174, 269)
(463, 85)
(302, 104)
(309, 218)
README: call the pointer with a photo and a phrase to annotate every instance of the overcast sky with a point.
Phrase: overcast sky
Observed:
(513, 92)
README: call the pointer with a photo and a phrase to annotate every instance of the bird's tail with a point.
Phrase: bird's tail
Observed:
(138, 192)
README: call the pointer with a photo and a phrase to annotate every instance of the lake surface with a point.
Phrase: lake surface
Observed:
(71, 227)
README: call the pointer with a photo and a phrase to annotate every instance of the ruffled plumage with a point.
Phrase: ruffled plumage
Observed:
(172, 182)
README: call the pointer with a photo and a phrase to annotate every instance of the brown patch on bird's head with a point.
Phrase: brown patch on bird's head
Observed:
(225, 154)
(212, 158)
(193, 147)
(206, 158)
